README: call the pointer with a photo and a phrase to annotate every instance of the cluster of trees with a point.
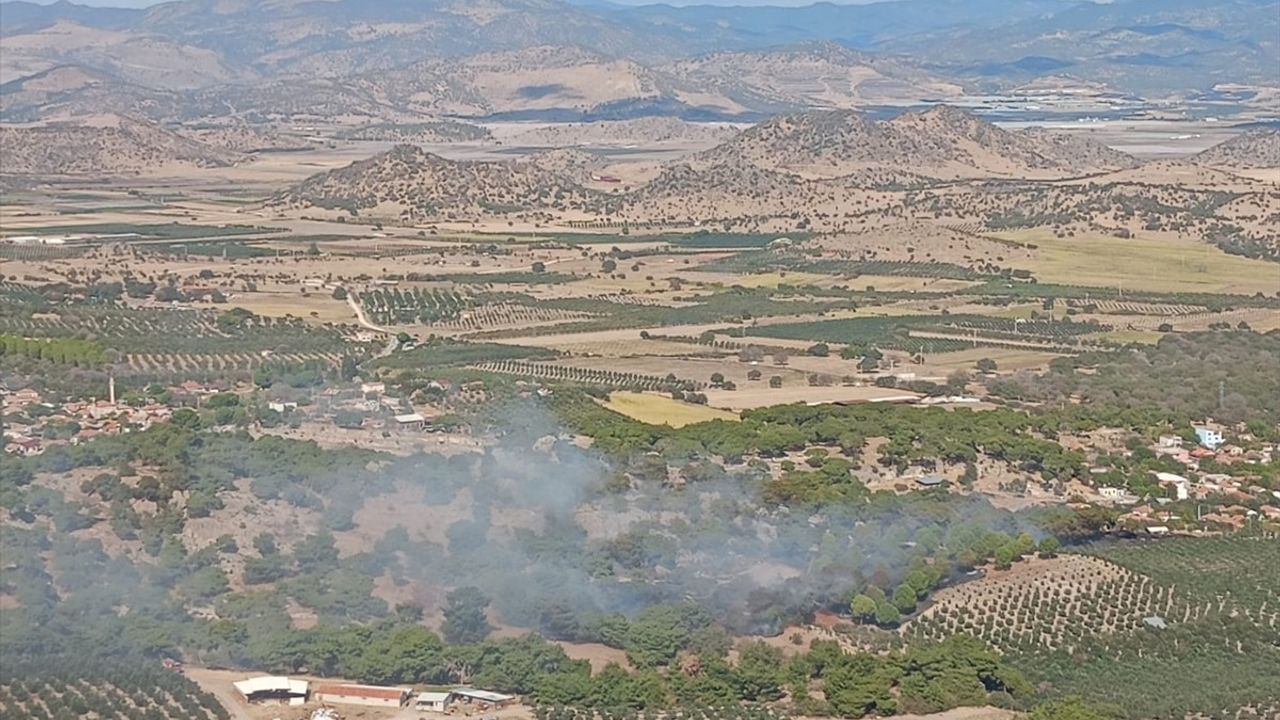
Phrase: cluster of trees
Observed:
(925, 438)
(1230, 375)
(65, 351)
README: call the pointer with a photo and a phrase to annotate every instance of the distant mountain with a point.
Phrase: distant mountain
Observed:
(1145, 47)
(854, 25)
(1254, 149)
(134, 55)
(806, 75)
(105, 145)
(68, 91)
(1149, 47)
(19, 17)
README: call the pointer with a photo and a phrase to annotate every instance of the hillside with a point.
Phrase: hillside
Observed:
(136, 56)
(67, 91)
(549, 60)
(811, 75)
(105, 145)
(625, 132)
(942, 142)
(1256, 149)
(415, 184)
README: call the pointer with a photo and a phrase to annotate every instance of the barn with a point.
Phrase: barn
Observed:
(371, 695)
(273, 689)
(483, 699)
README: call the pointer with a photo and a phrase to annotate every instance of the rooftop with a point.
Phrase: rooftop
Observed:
(486, 695)
(271, 683)
(365, 691)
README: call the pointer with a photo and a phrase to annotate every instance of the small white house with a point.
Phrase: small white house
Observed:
(1182, 486)
(433, 701)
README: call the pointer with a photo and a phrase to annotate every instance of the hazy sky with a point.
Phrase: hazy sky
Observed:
(148, 3)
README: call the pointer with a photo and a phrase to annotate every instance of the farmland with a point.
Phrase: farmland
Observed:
(1144, 264)
(660, 410)
(1113, 620)
(734, 438)
(76, 689)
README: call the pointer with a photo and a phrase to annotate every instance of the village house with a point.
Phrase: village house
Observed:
(1209, 434)
(25, 446)
(1181, 485)
(21, 398)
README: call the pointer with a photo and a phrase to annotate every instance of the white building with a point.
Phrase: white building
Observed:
(273, 689)
(1182, 486)
(433, 701)
(1210, 436)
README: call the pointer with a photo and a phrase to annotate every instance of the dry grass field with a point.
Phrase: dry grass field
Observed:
(1155, 264)
(663, 410)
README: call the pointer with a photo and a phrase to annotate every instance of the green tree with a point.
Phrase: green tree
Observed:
(464, 616)
(904, 598)
(887, 615)
(863, 608)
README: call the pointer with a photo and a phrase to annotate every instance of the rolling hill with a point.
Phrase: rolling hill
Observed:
(105, 145)
(942, 142)
(1254, 149)
(412, 183)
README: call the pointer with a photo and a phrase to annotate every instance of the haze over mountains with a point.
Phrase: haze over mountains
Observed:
(533, 58)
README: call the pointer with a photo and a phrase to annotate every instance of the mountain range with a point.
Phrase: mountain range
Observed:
(536, 58)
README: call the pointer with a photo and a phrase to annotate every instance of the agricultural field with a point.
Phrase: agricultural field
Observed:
(585, 376)
(1143, 264)
(31, 692)
(662, 409)
(1135, 623)
(934, 334)
(654, 444)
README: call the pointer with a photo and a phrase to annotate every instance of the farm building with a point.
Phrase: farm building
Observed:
(433, 701)
(931, 480)
(372, 695)
(273, 689)
(483, 699)
(411, 421)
